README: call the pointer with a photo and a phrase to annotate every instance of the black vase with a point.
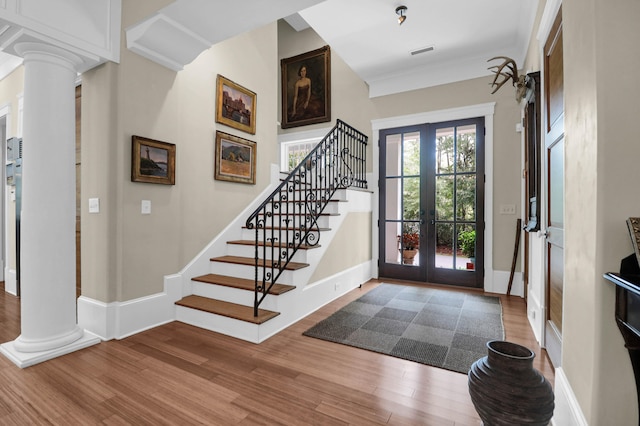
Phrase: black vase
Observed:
(506, 390)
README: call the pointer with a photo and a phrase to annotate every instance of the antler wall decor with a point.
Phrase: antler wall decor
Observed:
(506, 71)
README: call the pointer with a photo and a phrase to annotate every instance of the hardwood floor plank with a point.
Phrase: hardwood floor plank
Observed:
(179, 374)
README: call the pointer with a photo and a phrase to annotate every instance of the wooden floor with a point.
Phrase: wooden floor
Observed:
(178, 374)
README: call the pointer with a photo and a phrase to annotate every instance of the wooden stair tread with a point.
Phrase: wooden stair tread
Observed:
(227, 309)
(261, 244)
(240, 283)
(239, 260)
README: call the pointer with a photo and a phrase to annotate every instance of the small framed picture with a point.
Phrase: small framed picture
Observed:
(235, 106)
(235, 159)
(306, 88)
(152, 161)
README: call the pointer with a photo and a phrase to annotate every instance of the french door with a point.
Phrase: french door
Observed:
(431, 203)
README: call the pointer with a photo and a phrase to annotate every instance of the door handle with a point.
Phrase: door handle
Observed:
(433, 221)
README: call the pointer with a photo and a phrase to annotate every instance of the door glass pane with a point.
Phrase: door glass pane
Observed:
(411, 154)
(466, 149)
(391, 250)
(556, 184)
(466, 197)
(409, 243)
(393, 157)
(444, 197)
(445, 150)
(444, 245)
(411, 198)
(556, 285)
(466, 247)
(393, 198)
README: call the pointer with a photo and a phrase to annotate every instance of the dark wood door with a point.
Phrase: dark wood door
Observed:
(554, 172)
(455, 200)
(402, 251)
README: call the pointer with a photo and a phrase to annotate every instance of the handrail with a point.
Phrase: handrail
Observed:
(288, 218)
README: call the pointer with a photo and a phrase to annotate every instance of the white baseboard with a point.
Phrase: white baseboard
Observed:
(567, 411)
(499, 283)
(117, 320)
(10, 281)
(315, 295)
(536, 313)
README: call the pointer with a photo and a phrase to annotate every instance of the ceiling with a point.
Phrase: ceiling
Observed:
(464, 34)
(365, 34)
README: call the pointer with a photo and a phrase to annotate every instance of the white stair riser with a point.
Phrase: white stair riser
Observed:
(278, 221)
(247, 272)
(291, 208)
(233, 295)
(219, 324)
(282, 236)
(263, 253)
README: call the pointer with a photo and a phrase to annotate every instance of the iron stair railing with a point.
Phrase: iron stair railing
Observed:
(288, 218)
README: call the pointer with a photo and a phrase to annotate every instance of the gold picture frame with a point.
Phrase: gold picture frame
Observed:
(235, 159)
(306, 99)
(152, 161)
(235, 106)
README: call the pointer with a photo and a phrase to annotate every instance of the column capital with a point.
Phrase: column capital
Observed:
(88, 29)
(37, 51)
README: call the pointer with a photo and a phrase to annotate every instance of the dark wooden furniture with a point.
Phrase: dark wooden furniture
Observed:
(628, 310)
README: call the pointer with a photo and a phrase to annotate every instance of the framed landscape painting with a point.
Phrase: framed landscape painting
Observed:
(235, 159)
(235, 106)
(306, 88)
(152, 161)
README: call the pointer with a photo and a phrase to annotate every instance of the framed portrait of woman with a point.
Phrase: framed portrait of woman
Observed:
(306, 88)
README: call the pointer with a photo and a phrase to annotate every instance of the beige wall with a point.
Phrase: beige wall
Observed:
(349, 93)
(126, 254)
(601, 175)
(351, 246)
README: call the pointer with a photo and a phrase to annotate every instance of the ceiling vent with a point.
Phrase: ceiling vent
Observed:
(422, 50)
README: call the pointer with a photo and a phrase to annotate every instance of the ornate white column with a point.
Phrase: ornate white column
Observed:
(48, 252)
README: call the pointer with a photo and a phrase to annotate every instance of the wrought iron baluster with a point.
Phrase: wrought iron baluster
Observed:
(289, 217)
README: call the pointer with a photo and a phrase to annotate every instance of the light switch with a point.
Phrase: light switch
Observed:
(507, 209)
(146, 207)
(94, 205)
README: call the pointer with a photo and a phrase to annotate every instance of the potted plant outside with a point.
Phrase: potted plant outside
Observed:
(467, 241)
(409, 243)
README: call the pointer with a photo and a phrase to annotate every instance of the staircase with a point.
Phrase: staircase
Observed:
(256, 284)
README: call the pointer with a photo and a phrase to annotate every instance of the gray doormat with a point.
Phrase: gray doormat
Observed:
(441, 328)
